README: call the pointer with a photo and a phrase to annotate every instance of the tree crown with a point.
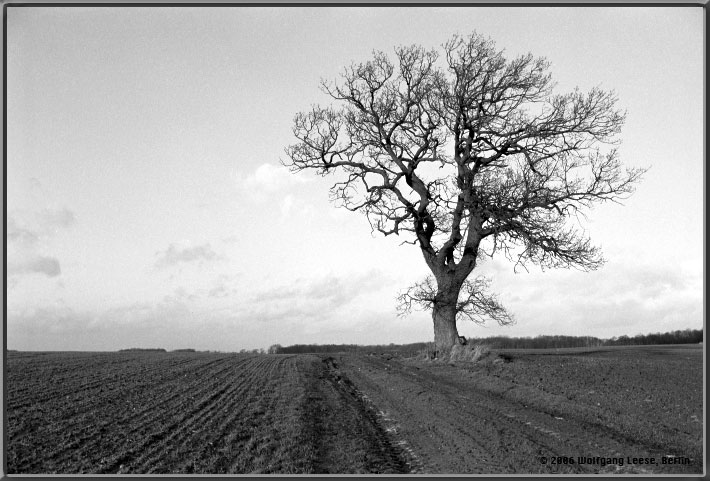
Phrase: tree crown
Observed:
(469, 153)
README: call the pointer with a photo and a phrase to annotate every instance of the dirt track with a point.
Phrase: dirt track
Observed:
(450, 419)
(346, 432)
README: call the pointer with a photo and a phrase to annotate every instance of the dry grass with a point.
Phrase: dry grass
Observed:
(469, 352)
(428, 353)
(465, 353)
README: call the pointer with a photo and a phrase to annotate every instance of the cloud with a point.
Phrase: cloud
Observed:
(331, 288)
(232, 239)
(28, 228)
(168, 324)
(286, 205)
(178, 322)
(219, 291)
(313, 300)
(56, 218)
(621, 298)
(181, 294)
(20, 235)
(29, 234)
(48, 266)
(266, 180)
(174, 255)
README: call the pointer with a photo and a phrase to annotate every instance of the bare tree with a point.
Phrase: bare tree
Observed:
(468, 155)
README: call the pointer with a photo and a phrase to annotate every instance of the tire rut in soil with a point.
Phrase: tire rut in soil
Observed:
(346, 431)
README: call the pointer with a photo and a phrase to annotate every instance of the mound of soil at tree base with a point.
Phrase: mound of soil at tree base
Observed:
(567, 413)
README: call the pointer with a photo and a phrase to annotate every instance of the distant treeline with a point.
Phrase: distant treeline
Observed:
(541, 342)
(687, 336)
(326, 348)
(143, 349)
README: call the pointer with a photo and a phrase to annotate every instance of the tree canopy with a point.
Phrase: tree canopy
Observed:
(467, 154)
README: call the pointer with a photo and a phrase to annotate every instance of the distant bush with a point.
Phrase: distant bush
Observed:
(143, 349)
(184, 350)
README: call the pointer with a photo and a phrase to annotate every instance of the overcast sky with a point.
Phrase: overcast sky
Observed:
(147, 207)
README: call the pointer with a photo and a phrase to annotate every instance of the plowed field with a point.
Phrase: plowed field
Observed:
(153, 412)
(186, 413)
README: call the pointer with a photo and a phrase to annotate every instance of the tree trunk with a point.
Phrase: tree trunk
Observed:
(445, 333)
